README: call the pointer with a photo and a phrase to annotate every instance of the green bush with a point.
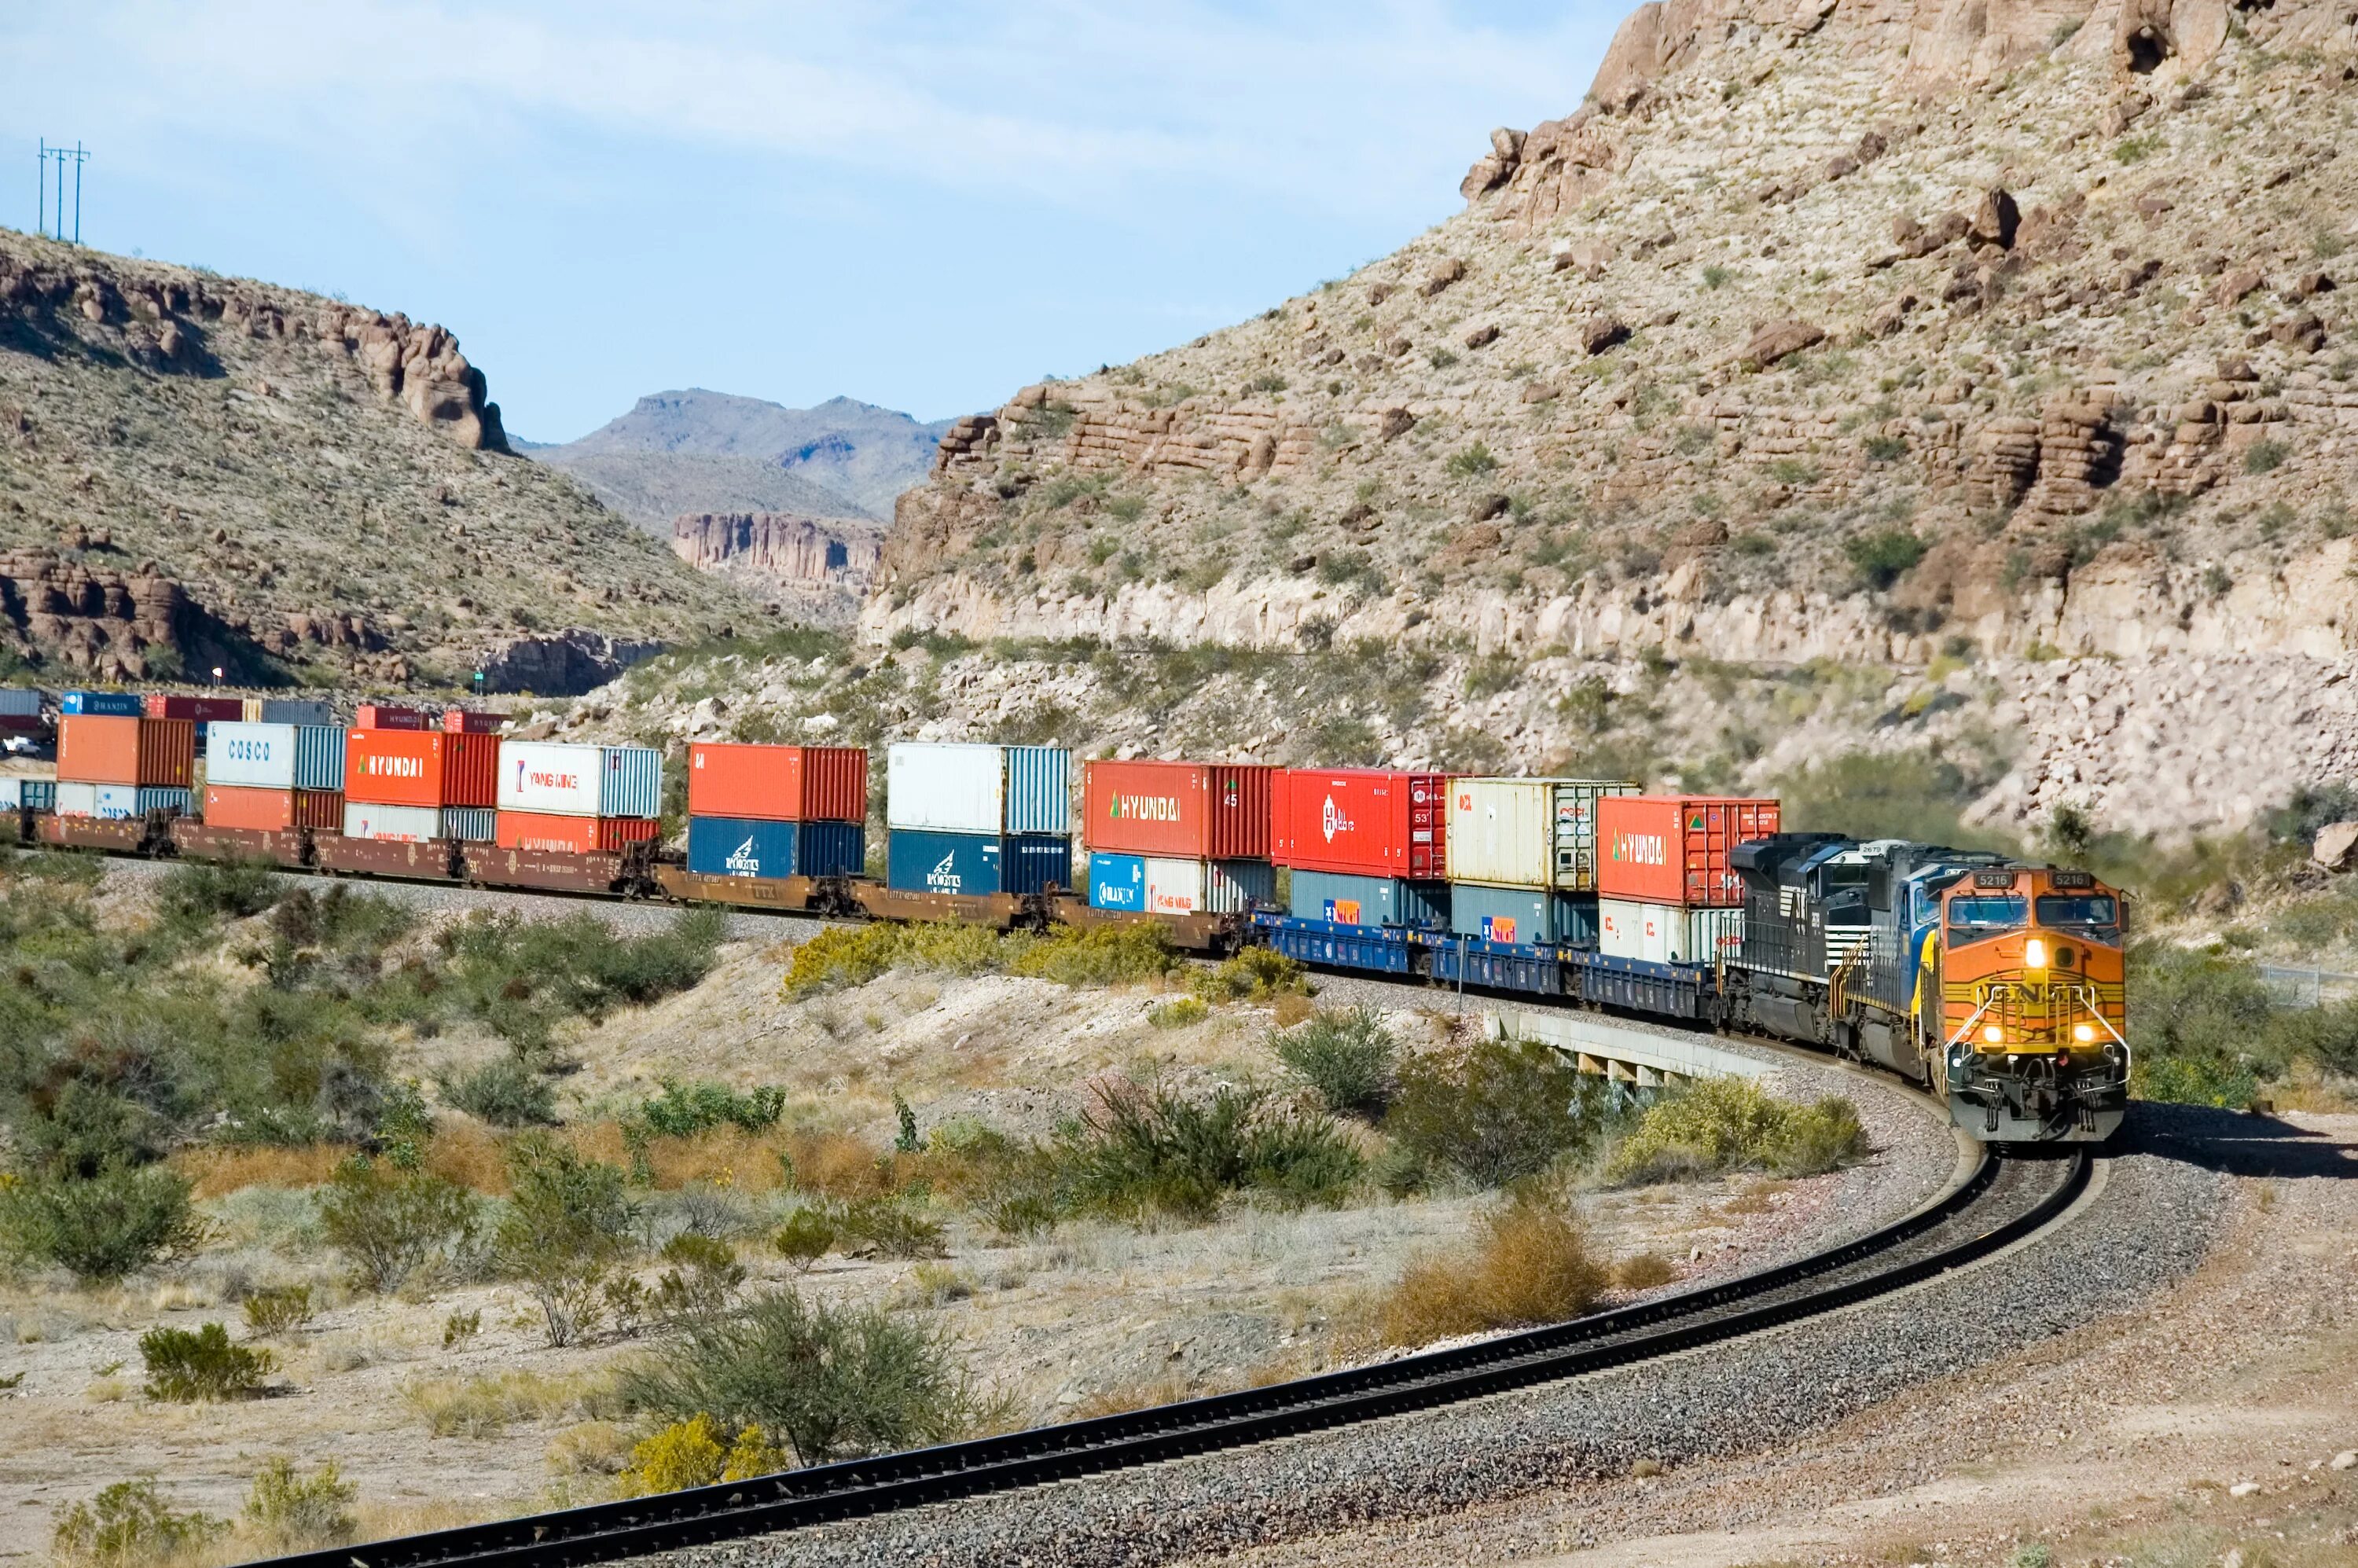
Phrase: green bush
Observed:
(103, 1226)
(186, 1365)
(1882, 558)
(685, 1110)
(1346, 1056)
(1496, 1112)
(389, 1223)
(205, 892)
(131, 1524)
(1178, 1012)
(1903, 794)
(1712, 1125)
(521, 977)
(298, 1513)
(1139, 1151)
(569, 1224)
(896, 1229)
(278, 1309)
(807, 1237)
(506, 1093)
(1255, 974)
(702, 1279)
(1098, 955)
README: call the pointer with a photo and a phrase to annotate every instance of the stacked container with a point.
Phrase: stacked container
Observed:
(288, 710)
(384, 716)
(1522, 857)
(1178, 837)
(976, 819)
(777, 811)
(20, 709)
(271, 777)
(579, 798)
(1367, 847)
(118, 766)
(28, 794)
(416, 785)
(1669, 895)
(113, 704)
(468, 722)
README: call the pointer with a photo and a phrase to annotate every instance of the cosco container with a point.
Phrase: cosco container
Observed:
(778, 783)
(578, 835)
(118, 803)
(978, 789)
(1531, 916)
(1369, 901)
(470, 721)
(275, 756)
(384, 716)
(113, 704)
(290, 710)
(28, 794)
(402, 823)
(578, 781)
(1673, 848)
(1193, 811)
(469, 824)
(1668, 933)
(421, 767)
(1157, 885)
(241, 805)
(763, 846)
(921, 860)
(1532, 833)
(196, 709)
(109, 749)
(19, 702)
(1360, 822)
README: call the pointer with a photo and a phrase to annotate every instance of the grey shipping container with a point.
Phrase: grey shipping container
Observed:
(19, 702)
(1369, 901)
(1526, 916)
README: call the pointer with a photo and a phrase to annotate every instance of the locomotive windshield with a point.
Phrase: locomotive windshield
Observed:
(1986, 914)
(2093, 914)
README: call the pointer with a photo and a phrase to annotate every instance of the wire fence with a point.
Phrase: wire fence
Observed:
(2307, 988)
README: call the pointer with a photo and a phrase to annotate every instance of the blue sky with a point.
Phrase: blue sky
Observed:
(923, 205)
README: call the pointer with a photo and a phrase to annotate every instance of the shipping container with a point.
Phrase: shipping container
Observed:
(574, 835)
(22, 724)
(1158, 885)
(1369, 901)
(1533, 833)
(469, 824)
(1195, 811)
(28, 794)
(778, 783)
(1361, 822)
(1531, 916)
(291, 711)
(320, 810)
(108, 748)
(1673, 848)
(260, 810)
(978, 789)
(421, 767)
(471, 721)
(1116, 882)
(385, 716)
(19, 702)
(921, 861)
(1668, 933)
(120, 803)
(579, 781)
(399, 823)
(198, 710)
(275, 756)
(113, 704)
(766, 847)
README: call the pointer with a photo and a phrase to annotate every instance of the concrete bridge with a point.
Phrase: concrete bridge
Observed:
(1625, 1052)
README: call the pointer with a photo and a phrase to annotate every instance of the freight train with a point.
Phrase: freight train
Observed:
(1998, 984)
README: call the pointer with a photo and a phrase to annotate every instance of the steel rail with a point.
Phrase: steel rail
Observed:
(604, 1533)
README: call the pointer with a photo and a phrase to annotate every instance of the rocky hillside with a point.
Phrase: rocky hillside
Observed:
(813, 569)
(1998, 350)
(200, 470)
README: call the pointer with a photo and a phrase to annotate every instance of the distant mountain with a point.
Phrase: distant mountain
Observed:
(697, 451)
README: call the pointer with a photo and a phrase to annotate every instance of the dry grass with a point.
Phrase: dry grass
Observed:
(471, 1155)
(1758, 1198)
(1530, 1264)
(1643, 1272)
(217, 1173)
(485, 1407)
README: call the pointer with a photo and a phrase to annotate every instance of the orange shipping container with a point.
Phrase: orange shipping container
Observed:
(420, 767)
(320, 810)
(778, 783)
(1673, 848)
(580, 835)
(102, 748)
(263, 810)
(464, 722)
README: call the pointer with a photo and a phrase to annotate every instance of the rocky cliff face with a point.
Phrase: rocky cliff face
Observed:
(817, 567)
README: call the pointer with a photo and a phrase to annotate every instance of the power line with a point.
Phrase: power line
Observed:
(76, 155)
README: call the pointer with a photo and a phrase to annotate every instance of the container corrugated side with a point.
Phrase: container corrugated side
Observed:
(417, 767)
(778, 783)
(945, 787)
(1350, 900)
(1039, 790)
(263, 810)
(19, 702)
(1674, 849)
(320, 810)
(772, 849)
(921, 861)
(1520, 914)
(1514, 832)
(403, 824)
(1668, 933)
(469, 824)
(576, 781)
(576, 834)
(386, 716)
(1208, 887)
(1367, 822)
(28, 794)
(196, 710)
(116, 704)
(470, 721)
(108, 748)
(303, 710)
(121, 803)
(1211, 811)
(250, 756)
(320, 757)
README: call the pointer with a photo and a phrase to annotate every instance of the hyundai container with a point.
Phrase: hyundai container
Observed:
(1193, 811)
(196, 710)
(107, 749)
(421, 767)
(401, 824)
(113, 704)
(959, 788)
(469, 824)
(385, 716)
(320, 810)
(1369, 901)
(290, 710)
(1668, 933)
(575, 834)
(1531, 916)
(260, 810)
(579, 781)
(1673, 848)
(275, 756)
(920, 859)
(19, 702)
(119, 803)
(1160, 885)
(1533, 833)
(1367, 822)
(470, 721)
(28, 794)
(768, 847)
(778, 783)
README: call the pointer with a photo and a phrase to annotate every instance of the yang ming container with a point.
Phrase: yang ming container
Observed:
(778, 783)
(1668, 933)
(578, 781)
(275, 756)
(762, 847)
(919, 860)
(1361, 822)
(420, 767)
(1534, 833)
(108, 748)
(119, 803)
(28, 794)
(113, 704)
(1193, 811)
(958, 788)
(1369, 901)
(1673, 848)
(403, 824)
(1528, 916)
(577, 835)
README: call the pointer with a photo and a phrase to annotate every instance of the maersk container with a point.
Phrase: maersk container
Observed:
(469, 824)
(766, 847)
(402, 823)
(19, 702)
(120, 803)
(962, 789)
(113, 704)
(1541, 916)
(1193, 811)
(28, 794)
(1667, 933)
(1529, 832)
(1369, 901)
(1116, 882)
(580, 781)
(275, 756)
(921, 860)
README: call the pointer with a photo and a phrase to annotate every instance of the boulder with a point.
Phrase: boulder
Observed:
(1599, 333)
(1489, 507)
(2334, 845)
(1777, 340)
(1482, 337)
(1995, 220)
(2303, 332)
(1396, 422)
(1446, 271)
(2237, 285)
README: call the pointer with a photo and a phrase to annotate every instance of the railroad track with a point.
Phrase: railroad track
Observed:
(2004, 1200)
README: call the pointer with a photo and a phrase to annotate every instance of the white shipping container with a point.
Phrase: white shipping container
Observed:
(1666, 933)
(249, 756)
(579, 781)
(1532, 833)
(76, 799)
(946, 788)
(402, 823)
(1208, 887)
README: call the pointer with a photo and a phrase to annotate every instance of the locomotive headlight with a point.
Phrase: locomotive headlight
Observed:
(2083, 1032)
(1993, 1033)
(2034, 953)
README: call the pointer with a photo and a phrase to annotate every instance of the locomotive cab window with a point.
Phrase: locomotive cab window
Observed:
(1986, 914)
(1844, 895)
(2091, 914)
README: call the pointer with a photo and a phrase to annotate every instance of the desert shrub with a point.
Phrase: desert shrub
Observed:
(186, 1365)
(702, 1278)
(569, 1224)
(2313, 808)
(826, 1381)
(2206, 1026)
(1177, 1013)
(1495, 1111)
(1346, 1056)
(685, 1453)
(506, 1092)
(522, 977)
(131, 1524)
(205, 892)
(1882, 557)
(101, 1227)
(278, 1309)
(388, 1223)
(685, 1110)
(1643, 1272)
(854, 955)
(807, 1237)
(487, 1406)
(298, 1513)
(1139, 1151)
(1256, 974)
(1528, 1264)
(458, 1327)
(1098, 955)
(894, 1227)
(1730, 1124)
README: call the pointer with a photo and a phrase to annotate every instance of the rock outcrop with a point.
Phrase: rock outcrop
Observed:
(779, 547)
(559, 664)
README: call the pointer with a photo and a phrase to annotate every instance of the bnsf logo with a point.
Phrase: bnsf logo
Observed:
(1146, 807)
(1640, 848)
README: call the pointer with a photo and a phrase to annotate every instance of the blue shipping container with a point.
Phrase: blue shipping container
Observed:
(1039, 791)
(469, 824)
(1369, 901)
(126, 803)
(1116, 882)
(319, 756)
(744, 846)
(1523, 916)
(977, 864)
(28, 794)
(115, 704)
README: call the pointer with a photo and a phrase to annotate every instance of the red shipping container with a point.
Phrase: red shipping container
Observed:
(1673, 848)
(580, 835)
(778, 783)
(465, 722)
(263, 810)
(420, 767)
(202, 709)
(102, 749)
(1193, 811)
(320, 810)
(379, 716)
(1361, 822)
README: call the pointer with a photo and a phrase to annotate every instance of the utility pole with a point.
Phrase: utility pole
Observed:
(61, 155)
